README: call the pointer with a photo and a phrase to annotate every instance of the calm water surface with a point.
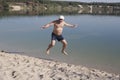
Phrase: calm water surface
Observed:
(94, 43)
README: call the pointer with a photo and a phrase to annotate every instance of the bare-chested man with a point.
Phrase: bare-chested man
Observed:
(57, 33)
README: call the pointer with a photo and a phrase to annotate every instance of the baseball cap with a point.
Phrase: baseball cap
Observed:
(62, 17)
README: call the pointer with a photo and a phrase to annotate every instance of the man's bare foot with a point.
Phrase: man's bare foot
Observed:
(64, 52)
(47, 52)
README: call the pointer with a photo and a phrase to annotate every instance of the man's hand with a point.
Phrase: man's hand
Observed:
(47, 25)
(43, 27)
(74, 26)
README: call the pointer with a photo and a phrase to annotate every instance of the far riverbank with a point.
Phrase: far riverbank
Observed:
(61, 7)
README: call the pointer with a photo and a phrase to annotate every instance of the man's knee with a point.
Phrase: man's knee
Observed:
(64, 43)
(52, 45)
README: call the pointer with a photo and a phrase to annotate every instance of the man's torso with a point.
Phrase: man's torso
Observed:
(58, 27)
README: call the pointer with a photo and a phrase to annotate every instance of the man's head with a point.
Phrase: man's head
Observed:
(61, 17)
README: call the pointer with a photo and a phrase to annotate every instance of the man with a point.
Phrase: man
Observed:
(57, 33)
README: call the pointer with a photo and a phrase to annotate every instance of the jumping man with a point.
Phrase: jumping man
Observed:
(57, 33)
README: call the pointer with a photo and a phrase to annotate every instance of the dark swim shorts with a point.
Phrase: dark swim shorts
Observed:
(57, 37)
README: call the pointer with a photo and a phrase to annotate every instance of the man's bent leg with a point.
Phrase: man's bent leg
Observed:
(64, 42)
(50, 46)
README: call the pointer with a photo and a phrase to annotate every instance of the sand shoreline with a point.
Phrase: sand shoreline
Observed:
(20, 67)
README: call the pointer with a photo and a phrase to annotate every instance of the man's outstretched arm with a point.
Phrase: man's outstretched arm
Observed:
(47, 25)
(70, 25)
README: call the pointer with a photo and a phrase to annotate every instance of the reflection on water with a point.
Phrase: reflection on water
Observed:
(98, 9)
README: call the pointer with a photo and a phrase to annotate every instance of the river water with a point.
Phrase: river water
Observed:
(95, 43)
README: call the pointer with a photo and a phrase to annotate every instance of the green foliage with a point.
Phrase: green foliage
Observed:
(4, 4)
(52, 5)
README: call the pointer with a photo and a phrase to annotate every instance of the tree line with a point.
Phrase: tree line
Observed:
(4, 4)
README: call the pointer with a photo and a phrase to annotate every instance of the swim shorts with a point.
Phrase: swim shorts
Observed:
(57, 37)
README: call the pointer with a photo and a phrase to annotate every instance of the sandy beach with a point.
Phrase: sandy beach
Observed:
(21, 67)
